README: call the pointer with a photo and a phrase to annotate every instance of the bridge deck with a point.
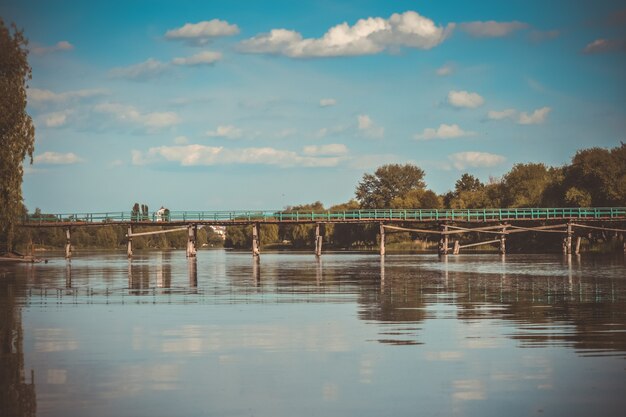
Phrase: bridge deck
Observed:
(353, 216)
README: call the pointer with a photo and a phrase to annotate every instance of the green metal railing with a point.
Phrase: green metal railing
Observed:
(426, 215)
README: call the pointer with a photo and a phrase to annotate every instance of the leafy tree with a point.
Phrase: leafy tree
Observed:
(524, 185)
(17, 132)
(388, 182)
(468, 182)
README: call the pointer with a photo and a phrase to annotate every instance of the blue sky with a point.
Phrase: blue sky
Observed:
(256, 105)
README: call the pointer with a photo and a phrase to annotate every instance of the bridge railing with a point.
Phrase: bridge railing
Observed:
(484, 215)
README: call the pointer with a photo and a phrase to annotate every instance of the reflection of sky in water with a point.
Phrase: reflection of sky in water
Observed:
(292, 336)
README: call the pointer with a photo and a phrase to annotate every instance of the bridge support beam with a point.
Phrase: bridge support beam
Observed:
(382, 239)
(457, 248)
(256, 245)
(577, 250)
(318, 240)
(192, 233)
(567, 241)
(129, 242)
(68, 244)
(443, 242)
(503, 241)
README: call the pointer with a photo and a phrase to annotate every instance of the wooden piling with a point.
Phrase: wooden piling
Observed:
(68, 244)
(192, 232)
(129, 241)
(577, 250)
(382, 239)
(318, 241)
(503, 241)
(443, 242)
(256, 251)
(457, 248)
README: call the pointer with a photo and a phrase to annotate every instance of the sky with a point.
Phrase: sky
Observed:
(238, 105)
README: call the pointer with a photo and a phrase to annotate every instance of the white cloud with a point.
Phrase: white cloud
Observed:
(465, 99)
(499, 115)
(181, 140)
(600, 46)
(226, 131)
(444, 131)
(368, 128)
(327, 102)
(491, 28)
(462, 160)
(58, 47)
(445, 70)
(40, 96)
(202, 58)
(55, 119)
(200, 155)
(129, 114)
(536, 117)
(148, 69)
(365, 37)
(333, 149)
(201, 32)
(54, 158)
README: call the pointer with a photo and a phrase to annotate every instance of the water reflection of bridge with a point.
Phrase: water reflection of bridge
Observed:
(496, 223)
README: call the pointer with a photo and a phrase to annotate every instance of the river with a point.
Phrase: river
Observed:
(345, 335)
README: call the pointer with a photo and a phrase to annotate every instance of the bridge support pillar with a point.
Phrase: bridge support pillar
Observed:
(256, 251)
(129, 242)
(318, 241)
(382, 239)
(457, 248)
(443, 242)
(577, 250)
(567, 241)
(503, 241)
(192, 233)
(68, 244)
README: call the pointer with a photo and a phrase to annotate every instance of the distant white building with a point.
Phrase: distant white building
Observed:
(220, 230)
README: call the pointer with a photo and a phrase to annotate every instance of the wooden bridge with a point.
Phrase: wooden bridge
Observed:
(499, 222)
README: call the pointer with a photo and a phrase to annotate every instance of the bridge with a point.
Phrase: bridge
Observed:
(497, 221)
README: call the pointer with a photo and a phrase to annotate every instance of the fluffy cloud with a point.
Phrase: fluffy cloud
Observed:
(148, 69)
(444, 131)
(491, 28)
(536, 117)
(54, 158)
(202, 58)
(465, 99)
(55, 119)
(40, 96)
(365, 37)
(202, 32)
(327, 102)
(129, 114)
(200, 155)
(600, 46)
(463, 160)
(447, 69)
(58, 47)
(368, 128)
(226, 131)
(333, 149)
(500, 115)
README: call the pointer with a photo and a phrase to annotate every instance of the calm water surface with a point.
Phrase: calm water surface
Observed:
(348, 335)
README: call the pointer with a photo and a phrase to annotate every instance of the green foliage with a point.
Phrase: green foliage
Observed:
(524, 185)
(391, 181)
(17, 132)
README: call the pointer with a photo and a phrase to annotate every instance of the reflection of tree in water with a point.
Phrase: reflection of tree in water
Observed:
(587, 313)
(17, 398)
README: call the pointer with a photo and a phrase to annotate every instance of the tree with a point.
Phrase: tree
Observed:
(388, 182)
(17, 132)
(524, 185)
(467, 182)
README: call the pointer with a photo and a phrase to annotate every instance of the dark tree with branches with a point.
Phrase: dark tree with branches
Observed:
(17, 132)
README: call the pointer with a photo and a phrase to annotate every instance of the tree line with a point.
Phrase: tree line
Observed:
(596, 177)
